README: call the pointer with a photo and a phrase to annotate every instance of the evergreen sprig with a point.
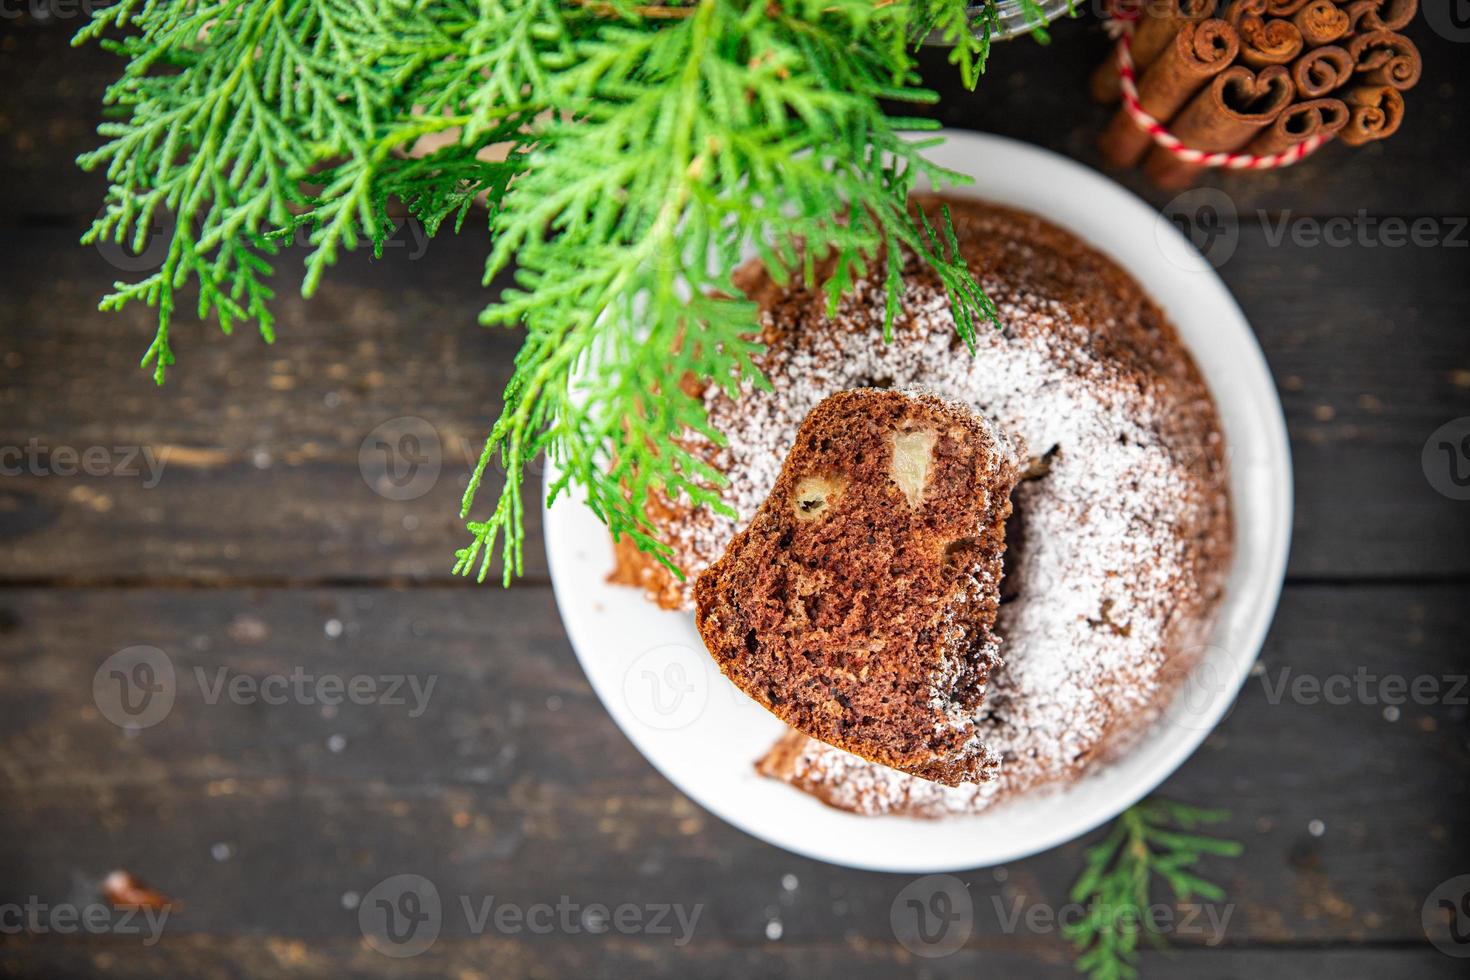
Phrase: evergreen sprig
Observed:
(643, 151)
(1155, 838)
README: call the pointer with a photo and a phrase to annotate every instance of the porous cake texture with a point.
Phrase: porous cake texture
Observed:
(858, 604)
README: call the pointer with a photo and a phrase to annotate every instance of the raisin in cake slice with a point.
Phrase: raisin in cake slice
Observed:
(859, 604)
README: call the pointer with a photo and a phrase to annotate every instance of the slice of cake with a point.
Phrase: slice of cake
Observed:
(858, 606)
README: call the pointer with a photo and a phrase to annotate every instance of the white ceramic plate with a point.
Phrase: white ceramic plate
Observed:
(651, 671)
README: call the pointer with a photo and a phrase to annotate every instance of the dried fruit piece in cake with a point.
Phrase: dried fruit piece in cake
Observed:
(858, 606)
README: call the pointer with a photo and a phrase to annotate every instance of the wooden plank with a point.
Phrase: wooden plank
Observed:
(48, 117)
(603, 957)
(1034, 93)
(249, 463)
(261, 445)
(515, 782)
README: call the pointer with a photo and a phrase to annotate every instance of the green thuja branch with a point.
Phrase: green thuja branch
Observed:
(629, 156)
(1156, 838)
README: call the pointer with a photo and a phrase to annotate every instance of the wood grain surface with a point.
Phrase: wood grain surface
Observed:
(256, 543)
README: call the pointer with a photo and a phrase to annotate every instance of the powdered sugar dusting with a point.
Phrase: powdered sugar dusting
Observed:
(1115, 550)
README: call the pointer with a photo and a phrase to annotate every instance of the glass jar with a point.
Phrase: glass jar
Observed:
(1015, 19)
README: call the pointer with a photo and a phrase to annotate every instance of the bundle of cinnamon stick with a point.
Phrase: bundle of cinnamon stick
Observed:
(1259, 76)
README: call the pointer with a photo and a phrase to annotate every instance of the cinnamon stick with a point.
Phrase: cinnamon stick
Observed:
(1228, 114)
(1198, 53)
(1299, 123)
(1389, 15)
(1321, 22)
(1322, 70)
(1379, 15)
(1284, 8)
(1375, 112)
(1236, 10)
(1386, 58)
(1161, 20)
(1357, 10)
(1268, 42)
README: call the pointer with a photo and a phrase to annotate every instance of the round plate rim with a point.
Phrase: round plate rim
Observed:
(1027, 177)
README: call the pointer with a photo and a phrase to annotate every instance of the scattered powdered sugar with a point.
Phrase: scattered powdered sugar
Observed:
(1111, 559)
(955, 670)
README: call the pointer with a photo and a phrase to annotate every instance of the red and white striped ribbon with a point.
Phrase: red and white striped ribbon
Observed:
(1124, 16)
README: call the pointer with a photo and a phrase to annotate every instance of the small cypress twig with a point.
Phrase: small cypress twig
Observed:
(1155, 838)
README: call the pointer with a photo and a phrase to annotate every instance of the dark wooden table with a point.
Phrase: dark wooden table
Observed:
(263, 550)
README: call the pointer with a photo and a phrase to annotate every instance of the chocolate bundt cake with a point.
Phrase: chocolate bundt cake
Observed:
(858, 604)
(1121, 532)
